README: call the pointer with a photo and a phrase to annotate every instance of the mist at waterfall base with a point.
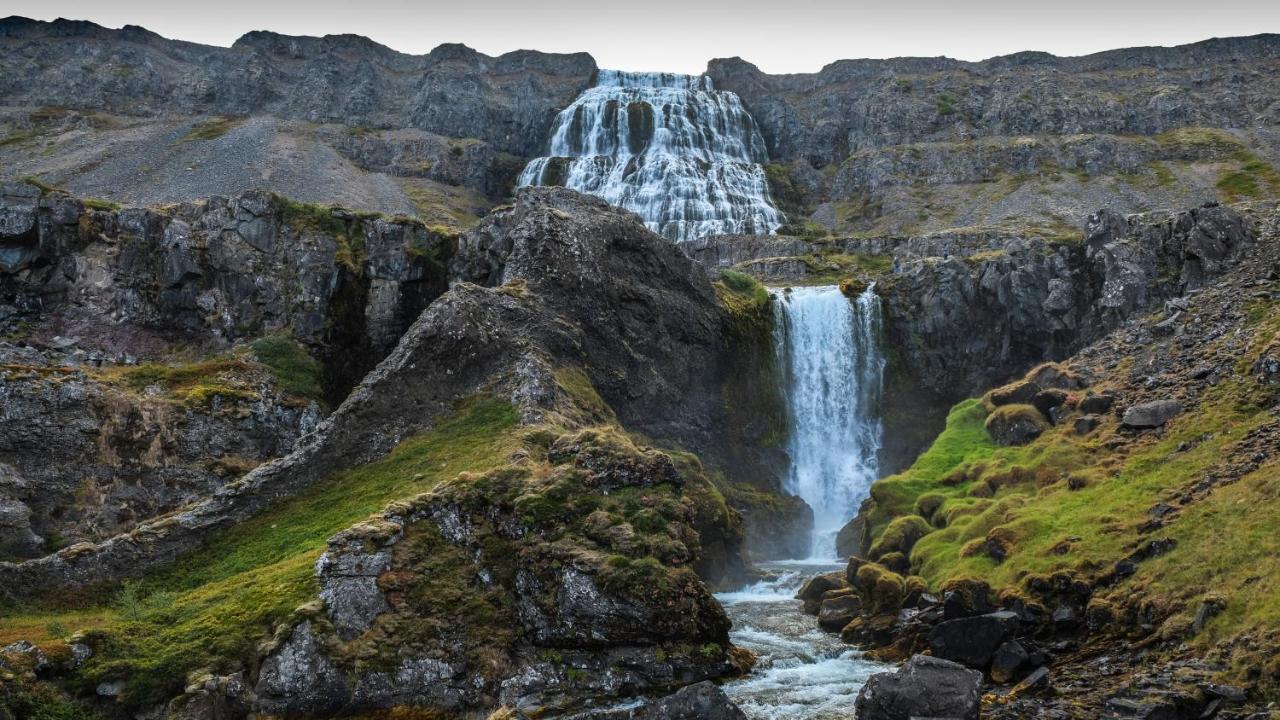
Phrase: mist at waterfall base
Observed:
(828, 348)
(671, 148)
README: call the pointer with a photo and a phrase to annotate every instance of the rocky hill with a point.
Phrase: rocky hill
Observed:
(920, 144)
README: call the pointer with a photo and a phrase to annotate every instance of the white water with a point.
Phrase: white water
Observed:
(671, 148)
(829, 349)
(801, 673)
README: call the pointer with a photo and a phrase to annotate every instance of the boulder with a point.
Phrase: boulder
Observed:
(1151, 414)
(972, 641)
(925, 687)
(700, 701)
(1097, 404)
(1010, 658)
(835, 613)
(1087, 424)
(1015, 424)
(817, 586)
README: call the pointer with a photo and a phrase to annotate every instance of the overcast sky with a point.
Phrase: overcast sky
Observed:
(681, 35)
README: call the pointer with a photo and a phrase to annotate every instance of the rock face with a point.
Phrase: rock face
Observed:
(925, 687)
(218, 271)
(507, 102)
(84, 456)
(919, 144)
(852, 105)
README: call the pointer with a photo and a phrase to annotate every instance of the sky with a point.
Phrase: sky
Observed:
(780, 36)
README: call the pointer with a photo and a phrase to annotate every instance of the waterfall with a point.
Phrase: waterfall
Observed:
(683, 156)
(828, 347)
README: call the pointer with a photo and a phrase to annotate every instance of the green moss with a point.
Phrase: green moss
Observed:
(900, 536)
(198, 383)
(212, 607)
(295, 371)
(946, 104)
(211, 129)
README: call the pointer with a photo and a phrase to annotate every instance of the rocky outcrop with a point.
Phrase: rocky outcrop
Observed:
(571, 277)
(1030, 301)
(484, 591)
(88, 451)
(851, 105)
(508, 101)
(135, 281)
(924, 687)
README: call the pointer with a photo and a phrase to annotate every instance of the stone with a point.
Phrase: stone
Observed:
(700, 701)
(1097, 404)
(1150, 414)
(1009, 659)
(1086, 424)
(835, 613)
(972, 641)
(818, 585)
(1049, 400)
(924, 687)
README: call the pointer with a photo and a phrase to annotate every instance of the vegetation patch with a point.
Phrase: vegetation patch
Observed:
(211, 129)
(213, 606)
(295, 371)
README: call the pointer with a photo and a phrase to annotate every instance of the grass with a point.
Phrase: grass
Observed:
(295, 371)
(211, 129)
(742, 295)
(197, 383)
(212, 607)
(1252, 179)
(1075, 504)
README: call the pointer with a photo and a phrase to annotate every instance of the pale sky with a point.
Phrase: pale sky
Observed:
(681, 35)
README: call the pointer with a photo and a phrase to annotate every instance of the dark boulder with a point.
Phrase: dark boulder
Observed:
(1010, 658)
(1097, 404)
(1087, 424)
(1048, 401)
(925, 687)
(972, 641)
(966, 598)
(701, 701)
(1015, 424)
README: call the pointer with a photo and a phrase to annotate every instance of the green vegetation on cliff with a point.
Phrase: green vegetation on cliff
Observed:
(1072, 503)
(212, 607)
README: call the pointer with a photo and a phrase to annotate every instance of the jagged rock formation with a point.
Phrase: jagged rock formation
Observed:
(214, 272)
(508, 101)
(918, 144)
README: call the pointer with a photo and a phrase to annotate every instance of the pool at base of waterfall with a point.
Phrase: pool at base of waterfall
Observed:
(802, 673)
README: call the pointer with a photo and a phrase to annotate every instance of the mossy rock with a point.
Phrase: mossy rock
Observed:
(1018, 424)
(853, 287)
(900, 536)
(882, 590)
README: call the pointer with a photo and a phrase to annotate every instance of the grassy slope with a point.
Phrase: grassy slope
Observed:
(1075, 504)
(214, 605)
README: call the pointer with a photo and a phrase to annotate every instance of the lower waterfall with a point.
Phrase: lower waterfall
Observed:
(829, 351)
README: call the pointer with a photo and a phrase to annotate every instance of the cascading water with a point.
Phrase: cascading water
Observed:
(683, 156)
(833, 372)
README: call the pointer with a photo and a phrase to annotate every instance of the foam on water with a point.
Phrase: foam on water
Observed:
(802, 673)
